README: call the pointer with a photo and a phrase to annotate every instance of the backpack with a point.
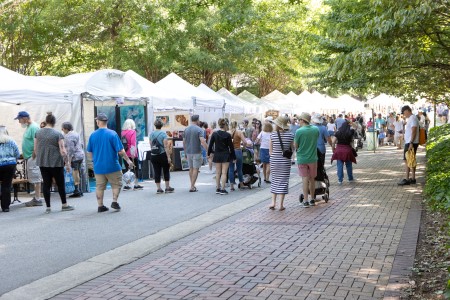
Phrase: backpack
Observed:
(124, 142)
(156, 146)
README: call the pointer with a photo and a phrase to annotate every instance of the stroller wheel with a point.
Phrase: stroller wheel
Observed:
(326, 198)
(250, 187)
(301, 198)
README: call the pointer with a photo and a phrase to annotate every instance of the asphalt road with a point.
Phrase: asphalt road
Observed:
(34, 244)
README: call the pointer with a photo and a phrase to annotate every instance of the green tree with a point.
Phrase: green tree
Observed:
(397, 47)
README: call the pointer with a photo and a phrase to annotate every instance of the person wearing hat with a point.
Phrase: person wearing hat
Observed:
(281, 140)
(193, 140)
(306, 144)
(324, 137)
(103, 149)
(411, 138)
(9, 153)
(33, 172)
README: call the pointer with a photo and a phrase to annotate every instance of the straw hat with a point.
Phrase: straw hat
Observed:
(317, 119)
(305, 117)
(282, 122)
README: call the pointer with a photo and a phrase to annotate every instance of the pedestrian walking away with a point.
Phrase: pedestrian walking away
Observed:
(305, 141)
(281, 140)
(343, 152)
(237, 137)
(34, 176)
(160, 157)
(129, 133)
(75, 156)
(9, 153)
(264, 155)
(50, 153)
(193, 141)
(411, 143)
(222, 148)
(324, 137)
(104, 148)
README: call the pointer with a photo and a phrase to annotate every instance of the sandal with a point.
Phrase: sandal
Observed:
(232, 189)
(272, 207)
(193, 190)
(282, 208)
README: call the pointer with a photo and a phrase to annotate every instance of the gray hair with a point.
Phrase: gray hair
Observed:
(129, 125)
(4, 136)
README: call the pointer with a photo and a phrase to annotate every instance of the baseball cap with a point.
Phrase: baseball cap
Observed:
(102, 117)
(22, 114)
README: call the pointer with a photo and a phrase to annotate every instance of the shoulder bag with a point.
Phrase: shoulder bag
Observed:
(286, 153)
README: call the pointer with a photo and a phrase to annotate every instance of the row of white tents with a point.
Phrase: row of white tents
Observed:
(74, 98)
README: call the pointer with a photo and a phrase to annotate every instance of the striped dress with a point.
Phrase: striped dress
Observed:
(280, 167)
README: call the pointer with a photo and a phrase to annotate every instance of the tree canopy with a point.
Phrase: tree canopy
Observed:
(360, 47)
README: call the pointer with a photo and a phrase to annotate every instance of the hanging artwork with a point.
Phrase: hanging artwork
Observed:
(137, 114)
(181, 120)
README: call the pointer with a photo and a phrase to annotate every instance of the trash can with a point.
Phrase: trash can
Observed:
(372, 140)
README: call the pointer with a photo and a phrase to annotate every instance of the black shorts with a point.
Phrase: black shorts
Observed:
(221, 157)
(406, 149)
(76, 164)
(390, 131)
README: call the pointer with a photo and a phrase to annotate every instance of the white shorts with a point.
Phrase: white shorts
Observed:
(33, 171)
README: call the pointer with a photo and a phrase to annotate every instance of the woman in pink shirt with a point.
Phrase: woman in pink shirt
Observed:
(129, 132)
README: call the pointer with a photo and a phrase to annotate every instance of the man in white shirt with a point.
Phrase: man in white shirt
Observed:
(411, 142)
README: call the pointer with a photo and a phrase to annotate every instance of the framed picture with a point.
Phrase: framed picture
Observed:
(181, 120)
(184, 161)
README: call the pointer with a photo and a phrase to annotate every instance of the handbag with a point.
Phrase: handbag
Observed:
(286, 153)
(69, 182)
(355, 153)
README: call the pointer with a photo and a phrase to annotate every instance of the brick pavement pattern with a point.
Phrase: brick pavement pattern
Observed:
(345, 249)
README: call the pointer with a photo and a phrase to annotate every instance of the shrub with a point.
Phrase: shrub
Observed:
(437, 188)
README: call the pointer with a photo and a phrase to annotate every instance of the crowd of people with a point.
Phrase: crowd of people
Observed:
(274, 144)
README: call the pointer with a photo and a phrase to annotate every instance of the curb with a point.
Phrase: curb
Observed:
(96, 266)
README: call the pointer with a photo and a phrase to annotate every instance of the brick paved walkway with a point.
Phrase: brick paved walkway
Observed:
(346, 249)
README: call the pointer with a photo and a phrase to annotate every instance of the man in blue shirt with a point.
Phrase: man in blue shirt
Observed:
(339, 121)
(323, 138)
(379, 122)
(103, 149)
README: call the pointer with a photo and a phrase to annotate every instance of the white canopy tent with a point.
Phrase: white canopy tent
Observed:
(249, 108)
(384, 104)
(24, 93)
(210, 108)
(280, 100)
(109, 87)
(262, 105)
(298, 104)
(231, 107)
(346, 103)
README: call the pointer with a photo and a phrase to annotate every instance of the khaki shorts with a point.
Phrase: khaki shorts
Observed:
(33, 171)
(114, 179)
(195, 160)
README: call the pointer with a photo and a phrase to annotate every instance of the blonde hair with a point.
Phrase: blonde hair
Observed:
(4, 136)
(267, 127)
(233, 125)
(129, 125)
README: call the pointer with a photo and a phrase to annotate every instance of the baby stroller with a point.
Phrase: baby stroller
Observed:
(249, 168)
(358, 137)
(322, 182)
